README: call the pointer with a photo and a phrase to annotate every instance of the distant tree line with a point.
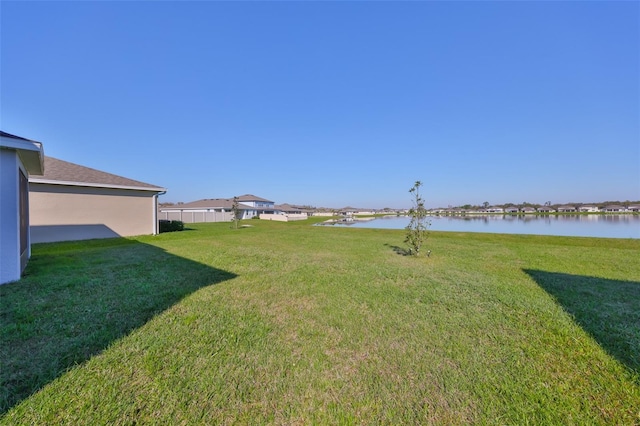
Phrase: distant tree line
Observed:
(601, 204)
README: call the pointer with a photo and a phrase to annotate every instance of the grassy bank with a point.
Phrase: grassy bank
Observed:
(292, 324)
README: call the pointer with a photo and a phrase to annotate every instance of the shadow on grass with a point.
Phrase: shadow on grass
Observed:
(399, 250)
(77, 298)
(609, 310)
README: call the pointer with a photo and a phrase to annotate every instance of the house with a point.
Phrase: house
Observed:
(512, 210)
(588, 209)
(217, 209)
(254, 201)
(454, 211)
(205, 210)
(614, 209)
(287, 209)
(527, 210)
(546, 209)
(20, 158)
(495, 210)
(566, 209)
(634, 208)
(73, 202)
(365, 212)
(259, 205)
(347, 211)
(285, 213)
(303, 209)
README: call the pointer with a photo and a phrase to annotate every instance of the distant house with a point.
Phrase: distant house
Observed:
(259, 205)
(305, 209)
(73, 202)
(615, 209)
(287, 209)
(20, 158)
(446, 212)
(566, 209)
(285, 213)
(495, 210)
(217, 209)
(352, 211)
(527, 210)
(588, 209)
(512, 210)
(634, 208)
(546, 209)
(324, 213)
(206, 210)
(348, 211)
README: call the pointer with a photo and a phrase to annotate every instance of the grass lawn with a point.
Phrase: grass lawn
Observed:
(286, 323)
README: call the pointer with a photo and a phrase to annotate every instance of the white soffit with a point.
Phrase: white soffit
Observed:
(30, 152)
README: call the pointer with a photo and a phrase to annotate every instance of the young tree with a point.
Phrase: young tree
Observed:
(417, 230)
(235, 210)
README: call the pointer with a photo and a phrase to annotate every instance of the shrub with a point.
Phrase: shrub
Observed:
(171, 225)
(418, 228)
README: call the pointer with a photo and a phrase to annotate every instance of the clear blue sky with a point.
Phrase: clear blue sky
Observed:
(334, 103)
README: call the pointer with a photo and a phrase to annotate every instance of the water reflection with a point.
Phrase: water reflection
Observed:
(579, 225)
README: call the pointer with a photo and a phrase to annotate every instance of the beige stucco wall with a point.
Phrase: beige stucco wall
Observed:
(60, 212)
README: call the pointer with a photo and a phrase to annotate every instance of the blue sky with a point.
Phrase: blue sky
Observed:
(334, 103)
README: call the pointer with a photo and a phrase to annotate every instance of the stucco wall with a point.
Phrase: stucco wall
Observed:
(61, 213)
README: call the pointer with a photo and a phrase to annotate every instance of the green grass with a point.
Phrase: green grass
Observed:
(285, 323)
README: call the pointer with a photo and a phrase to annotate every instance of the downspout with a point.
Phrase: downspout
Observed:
(156, 226)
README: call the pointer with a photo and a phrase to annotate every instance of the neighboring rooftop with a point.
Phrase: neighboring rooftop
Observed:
(287, 207)
(250, 197)
(66, 173)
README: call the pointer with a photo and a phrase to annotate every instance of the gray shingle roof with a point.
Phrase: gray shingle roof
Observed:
(64, 172)
(249, 197)
(287, 207)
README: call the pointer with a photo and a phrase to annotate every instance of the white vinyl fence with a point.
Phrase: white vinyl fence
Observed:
(195, 216)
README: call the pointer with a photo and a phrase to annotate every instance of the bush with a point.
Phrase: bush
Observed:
(171, 225)
(418, 228)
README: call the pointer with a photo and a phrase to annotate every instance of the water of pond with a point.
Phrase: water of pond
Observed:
(602, 226)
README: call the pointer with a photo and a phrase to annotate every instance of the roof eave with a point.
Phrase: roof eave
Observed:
(96, 185)
(31, 153)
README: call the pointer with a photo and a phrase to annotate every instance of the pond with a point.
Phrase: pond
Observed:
(603, 226)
